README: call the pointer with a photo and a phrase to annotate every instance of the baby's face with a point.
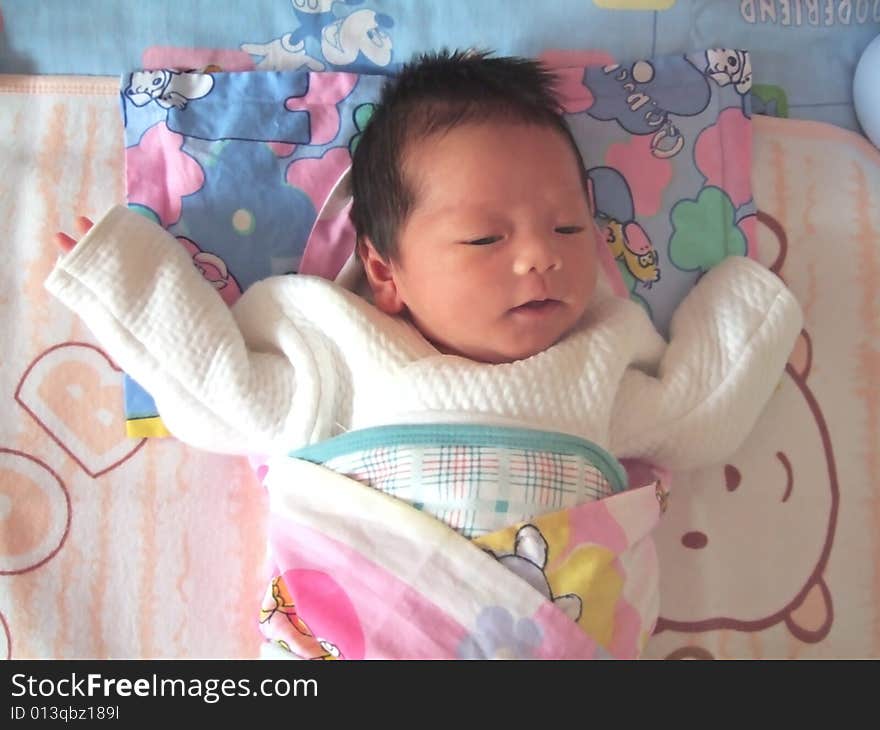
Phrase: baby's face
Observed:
(497, 260)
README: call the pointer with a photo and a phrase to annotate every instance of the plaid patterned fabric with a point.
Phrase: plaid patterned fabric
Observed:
(476, 489)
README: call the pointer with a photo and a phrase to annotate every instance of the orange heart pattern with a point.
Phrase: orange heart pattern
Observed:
(74, 392)
(34, 513)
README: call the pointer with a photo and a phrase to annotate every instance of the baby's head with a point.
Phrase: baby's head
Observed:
(470, 207)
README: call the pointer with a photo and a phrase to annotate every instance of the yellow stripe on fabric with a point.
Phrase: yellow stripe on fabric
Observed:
(146, 428)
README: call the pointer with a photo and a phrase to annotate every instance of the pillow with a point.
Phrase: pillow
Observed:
(247, 170)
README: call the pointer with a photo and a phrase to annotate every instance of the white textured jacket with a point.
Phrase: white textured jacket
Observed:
(299, 359)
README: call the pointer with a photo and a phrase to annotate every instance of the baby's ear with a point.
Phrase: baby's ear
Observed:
(381, 278)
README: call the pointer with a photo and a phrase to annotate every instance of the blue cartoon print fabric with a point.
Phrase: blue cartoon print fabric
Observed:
(804, 51)
(247, 169)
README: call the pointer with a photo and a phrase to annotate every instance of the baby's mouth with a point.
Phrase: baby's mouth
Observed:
(538, 306)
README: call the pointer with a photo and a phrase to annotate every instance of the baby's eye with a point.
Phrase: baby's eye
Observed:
(483, 241)
(157, 81)
(569, 230)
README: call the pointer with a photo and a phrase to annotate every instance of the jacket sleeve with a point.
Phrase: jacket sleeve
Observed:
(223, 379)
(696, 403)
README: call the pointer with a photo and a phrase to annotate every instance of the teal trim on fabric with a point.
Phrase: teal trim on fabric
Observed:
(427, 434)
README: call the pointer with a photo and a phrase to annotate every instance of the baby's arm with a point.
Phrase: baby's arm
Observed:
(138, 291)
(729, 342)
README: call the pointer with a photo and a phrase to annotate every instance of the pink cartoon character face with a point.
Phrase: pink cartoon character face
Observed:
(213, 268)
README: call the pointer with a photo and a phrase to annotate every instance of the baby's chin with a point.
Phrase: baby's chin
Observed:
(498, 353)
(507, 340)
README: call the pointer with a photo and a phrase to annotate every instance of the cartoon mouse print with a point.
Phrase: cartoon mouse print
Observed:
(729, 66)
(528, 559)
(363, 32)
(169, 89)
(282, 54)
(329, 32)
(289, 53)
(311, 15)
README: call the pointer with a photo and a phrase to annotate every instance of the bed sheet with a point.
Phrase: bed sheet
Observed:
(804, 51)
(111, 547)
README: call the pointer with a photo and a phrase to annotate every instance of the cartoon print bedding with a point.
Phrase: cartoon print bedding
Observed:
(575, 583)
(770, 555)
(804, 51)
(248, 170)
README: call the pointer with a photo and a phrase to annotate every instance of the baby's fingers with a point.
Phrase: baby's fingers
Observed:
(64, 242)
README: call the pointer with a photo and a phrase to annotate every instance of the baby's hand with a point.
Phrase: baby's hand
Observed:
(65, 242)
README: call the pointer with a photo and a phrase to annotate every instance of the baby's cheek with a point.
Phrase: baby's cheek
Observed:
(583, 281)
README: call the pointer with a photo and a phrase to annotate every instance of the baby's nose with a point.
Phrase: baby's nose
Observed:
(536, 254)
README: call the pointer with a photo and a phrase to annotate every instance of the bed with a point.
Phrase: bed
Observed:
(113, 546)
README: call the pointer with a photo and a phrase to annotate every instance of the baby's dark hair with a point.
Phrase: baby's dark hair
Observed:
(434, 94)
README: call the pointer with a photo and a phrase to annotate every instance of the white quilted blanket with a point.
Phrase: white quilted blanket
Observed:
(299, 359)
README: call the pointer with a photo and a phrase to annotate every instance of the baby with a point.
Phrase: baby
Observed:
(486, 325)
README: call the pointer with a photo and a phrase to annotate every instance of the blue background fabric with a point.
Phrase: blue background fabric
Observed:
(666, 142)
(807, 48)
